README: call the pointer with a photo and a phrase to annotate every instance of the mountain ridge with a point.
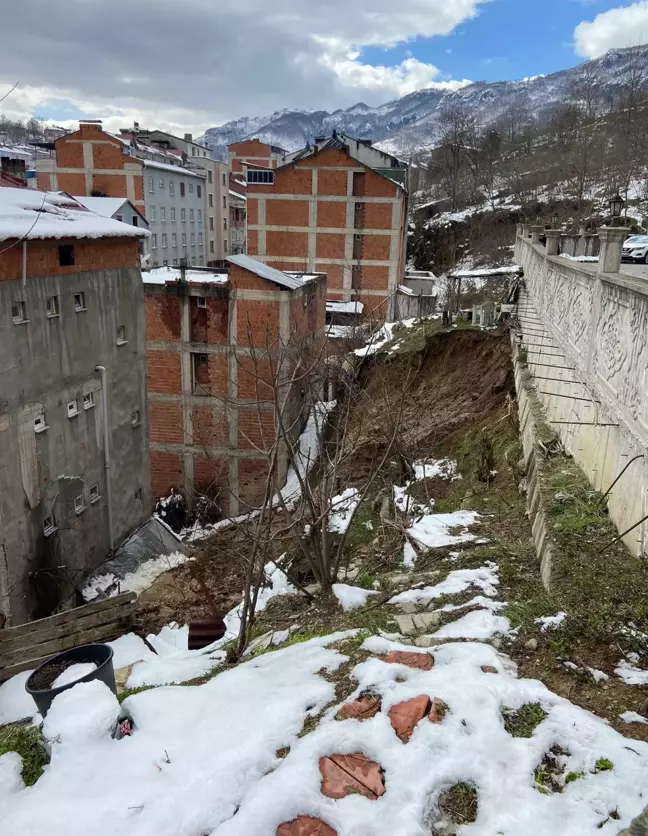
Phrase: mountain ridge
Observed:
(409, 125)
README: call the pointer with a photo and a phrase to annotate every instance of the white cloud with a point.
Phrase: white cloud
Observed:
(206, 62)
(621, 27)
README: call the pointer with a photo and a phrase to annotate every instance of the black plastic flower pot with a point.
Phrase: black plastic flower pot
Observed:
(100, 654)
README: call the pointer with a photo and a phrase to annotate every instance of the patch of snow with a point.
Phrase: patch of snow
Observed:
(630, 674)
(73, 673)
(343, 332)
(432, 530)
(477, 601)
(597, 675)
(633, 717)
(342, 508)
(345, 307)
(382, 337)
(409, 555)
(485, 578)
(129, 649)
(550, 622)
(479, 624)
(351, 597)
(10, 774)
(308, 449)
(82, 715)
(162, 275)
(486, 271)
(584, 259)
(15, 703)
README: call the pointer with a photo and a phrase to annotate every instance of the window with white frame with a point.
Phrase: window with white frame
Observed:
(154, 241)
(40, 424)
(174, 239)
(88, 400)
(94, 494)
(79, 302)
(19, 312)
(184, 239)
(151, 213)
(52, 306)
(162, 214)
(172, 210)
(164, 241)
(193, 239)
(135, 418)
(183, 216)
(151, 185)
(72, 409)
(255, 175)
(79, 504)
(161, 182)
(171, 187)
(200, 239)
(49, 525)
(200, 216)
(121, 335)
(191, 216)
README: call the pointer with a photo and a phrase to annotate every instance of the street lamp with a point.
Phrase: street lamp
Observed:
(555, 220)
(616, 207)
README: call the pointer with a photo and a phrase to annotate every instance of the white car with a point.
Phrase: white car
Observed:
(635, 249)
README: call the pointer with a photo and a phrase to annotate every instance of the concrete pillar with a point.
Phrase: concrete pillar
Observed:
(519, 230)
(612, 239)
(525, 230)
(553, 241)
(536, 231)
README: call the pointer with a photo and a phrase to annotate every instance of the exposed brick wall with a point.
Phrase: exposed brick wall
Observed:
(89, 254)
(257, 323)
(376, 247)
(373, 278)
(166, 422)
(378, 215)
(286, 213)
(252, 476)
(163, 372)
(166, 472)
(332, 182)
(334, 274)
(211, 477)
(209, 426)
(256, 428)
(329, 245)
(331, 214)
(162, 316)
(287, 243)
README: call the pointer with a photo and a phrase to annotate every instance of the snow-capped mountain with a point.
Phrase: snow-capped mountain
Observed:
(409, 124)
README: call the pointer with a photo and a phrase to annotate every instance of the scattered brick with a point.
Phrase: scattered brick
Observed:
(421, 661)
(489, 669)
(438, 711)
(405, 716)
(344, 775)
(305, 826)
(363, 709)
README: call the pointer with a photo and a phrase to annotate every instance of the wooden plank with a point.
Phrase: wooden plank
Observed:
(42, 652)
(96, 619)
(67, 616)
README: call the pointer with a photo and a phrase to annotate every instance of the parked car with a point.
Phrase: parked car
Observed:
(635, 249)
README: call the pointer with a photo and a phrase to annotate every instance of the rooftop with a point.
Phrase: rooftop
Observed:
(31, 214)
(163, 275)
(289, 280)
(176, 169)
(104, 206)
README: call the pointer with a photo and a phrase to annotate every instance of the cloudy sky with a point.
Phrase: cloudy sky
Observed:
(199, 63)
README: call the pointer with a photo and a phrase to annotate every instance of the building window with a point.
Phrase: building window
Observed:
(79, 504)
(119, 218)
(79, 302)
(135, 418)
(19, 312)
(193, 151)
(210, 176)
(138, 494)
(190, 188)
(174, 239)
(200, 216)
(94, 494)
(66, 255)
(200, 373)
(151, 213)
(211, 200)
(49, 525)
(172, 213)
(175, 262)
(199, 190)
(40, 424)
(164, 241)
(151, 182)
(161, 183)
(121, 335)
(183, 215)
(162, 214)
(191, 216)
(165, 263)
(184, 239)
(211, 223)
(88, 401)
(260, 176)
(224, 179)
(193, 239)
(211, 246)
(201, 301)
(72, 409)
(182, 189)
(200, 239)
(154, 241)
(52, 304)
(224, 223)
(171, 187)
(225, 246)
(135, 220)
(224, 202)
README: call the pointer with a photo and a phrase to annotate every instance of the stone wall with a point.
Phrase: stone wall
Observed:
(578, 244)
(586, 335)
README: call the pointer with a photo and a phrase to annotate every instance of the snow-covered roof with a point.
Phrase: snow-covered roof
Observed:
(486, 271)
(264, 271)
(15, 153)
(162, 275)
(31, 214)
(176, 169)
(236, 194)
(104, 206)
(345, 307)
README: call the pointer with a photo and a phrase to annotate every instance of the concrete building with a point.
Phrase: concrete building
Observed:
(217, 210)
(209, 422)
(253, 152)
(238, 215)
(74, 461)
(338, 206)
(114, 207)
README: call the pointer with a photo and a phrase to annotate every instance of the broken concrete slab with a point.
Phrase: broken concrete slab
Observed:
(355, 774)
(405, 624)
(407, 609)
(410, 625)
(273, 638)
(420, 661)
(361, 709)
(305, 826)
(405, 716)
(425, 641)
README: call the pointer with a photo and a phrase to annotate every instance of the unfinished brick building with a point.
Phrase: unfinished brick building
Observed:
(210, 336)
(253, 152)
(338, 206)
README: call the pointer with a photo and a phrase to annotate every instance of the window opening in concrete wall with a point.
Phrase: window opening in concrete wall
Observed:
(79, 504)
(161, 183)
(154, 241)
(79, 302)
(151, 185)
(199, 191)
(72, 409)
(119, 218)
(88, 401)
(190, 188)
(19, 312)
(49, 525)
(135, 418)
(200, 373)
(183, 215)
(182, 189)
(121, 335)
(52, 306)
(173, 214)
(66, 255)
(94, 494)
(162, 214)
(151, 213)
(138, 494)
(201, 301)
(40, 424)
(171, 187)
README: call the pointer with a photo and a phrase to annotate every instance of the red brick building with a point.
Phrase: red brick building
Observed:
(211, 341)
(339, 207)
(253, 152)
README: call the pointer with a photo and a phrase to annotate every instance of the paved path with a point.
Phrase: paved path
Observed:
(639, 270)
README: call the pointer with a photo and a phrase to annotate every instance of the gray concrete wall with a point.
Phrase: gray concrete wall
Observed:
(586, 334)
(44, 364)
(576, 245)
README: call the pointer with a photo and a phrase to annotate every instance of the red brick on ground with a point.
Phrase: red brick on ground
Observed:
(489, 669)
(344, 775)
(422, 661)
(363, 709)
(405, 716)
(438, 710)
(305, 826)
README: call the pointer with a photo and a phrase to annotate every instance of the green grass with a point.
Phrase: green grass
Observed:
(603, 765)
(130, 691)
(365, 580)
(573, 776)
(28, 742)
(460, 803)
(522, 722)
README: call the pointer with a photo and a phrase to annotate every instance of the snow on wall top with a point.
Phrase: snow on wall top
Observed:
(162, 275)
(30, 214)
(104, 206)
(264, 271)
